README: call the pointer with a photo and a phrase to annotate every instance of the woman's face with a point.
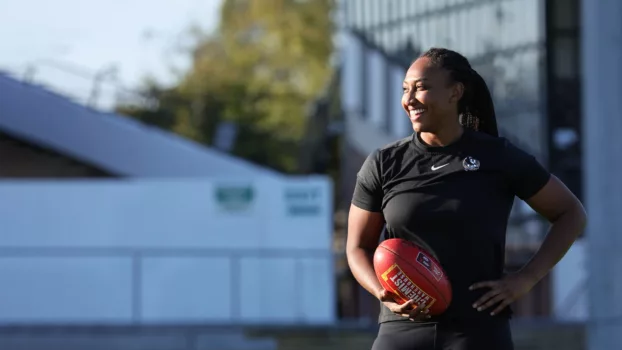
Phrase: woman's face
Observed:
(430, 99)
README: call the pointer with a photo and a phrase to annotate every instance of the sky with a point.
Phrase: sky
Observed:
(140, 37)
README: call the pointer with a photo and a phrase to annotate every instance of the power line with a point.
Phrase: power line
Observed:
(105, 75)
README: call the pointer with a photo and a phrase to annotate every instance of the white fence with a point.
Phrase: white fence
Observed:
(191, 251)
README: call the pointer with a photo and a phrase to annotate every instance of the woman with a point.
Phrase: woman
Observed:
(450, 188)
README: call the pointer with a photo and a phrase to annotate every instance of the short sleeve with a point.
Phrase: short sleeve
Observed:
(368, 193)
(526, 175)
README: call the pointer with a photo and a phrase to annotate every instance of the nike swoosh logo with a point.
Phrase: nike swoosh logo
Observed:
(438, 167)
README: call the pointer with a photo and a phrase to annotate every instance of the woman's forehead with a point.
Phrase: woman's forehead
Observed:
(422, 69)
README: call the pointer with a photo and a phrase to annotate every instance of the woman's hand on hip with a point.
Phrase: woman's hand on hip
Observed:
(503, 292)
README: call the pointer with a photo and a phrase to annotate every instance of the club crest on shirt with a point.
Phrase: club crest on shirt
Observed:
(470, 164)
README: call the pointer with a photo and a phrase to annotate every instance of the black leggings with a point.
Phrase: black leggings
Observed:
(438, 336)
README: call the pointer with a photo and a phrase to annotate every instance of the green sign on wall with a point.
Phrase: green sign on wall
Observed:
(234, 198)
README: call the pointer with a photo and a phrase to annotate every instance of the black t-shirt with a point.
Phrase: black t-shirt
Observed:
(453, 200)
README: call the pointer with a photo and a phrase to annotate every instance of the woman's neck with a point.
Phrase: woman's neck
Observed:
(444, 137)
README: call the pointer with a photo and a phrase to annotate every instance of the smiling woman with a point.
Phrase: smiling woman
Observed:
(450, 186)
(438, 82)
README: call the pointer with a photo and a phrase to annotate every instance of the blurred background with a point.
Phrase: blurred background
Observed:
(178, 175)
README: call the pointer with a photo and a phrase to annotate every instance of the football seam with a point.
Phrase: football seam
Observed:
(422, 275)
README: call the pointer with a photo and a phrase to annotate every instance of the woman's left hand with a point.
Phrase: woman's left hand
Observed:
(503, 292)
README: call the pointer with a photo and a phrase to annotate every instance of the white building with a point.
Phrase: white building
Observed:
(105, 220)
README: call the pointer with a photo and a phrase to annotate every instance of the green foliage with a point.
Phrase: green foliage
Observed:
(266, 63)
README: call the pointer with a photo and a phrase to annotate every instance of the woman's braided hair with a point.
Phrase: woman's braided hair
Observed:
(475, 108)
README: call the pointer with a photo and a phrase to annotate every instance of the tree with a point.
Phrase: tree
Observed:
(261, 69)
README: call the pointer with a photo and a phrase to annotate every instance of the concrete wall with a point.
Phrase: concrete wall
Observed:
(167, 251)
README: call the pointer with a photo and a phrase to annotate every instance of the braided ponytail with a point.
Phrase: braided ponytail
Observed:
(476, 108)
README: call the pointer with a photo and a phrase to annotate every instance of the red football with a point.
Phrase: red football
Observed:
(408, 271)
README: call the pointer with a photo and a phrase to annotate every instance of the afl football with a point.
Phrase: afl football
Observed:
(409, 272)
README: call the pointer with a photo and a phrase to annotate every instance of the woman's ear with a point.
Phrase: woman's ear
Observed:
(457, 91)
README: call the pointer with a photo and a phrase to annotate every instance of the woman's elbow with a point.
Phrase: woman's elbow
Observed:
(574, 217)
(353, 251)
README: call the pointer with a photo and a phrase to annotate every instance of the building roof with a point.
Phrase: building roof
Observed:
(115, 143)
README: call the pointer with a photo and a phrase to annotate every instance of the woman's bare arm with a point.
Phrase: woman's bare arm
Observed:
(364, 228)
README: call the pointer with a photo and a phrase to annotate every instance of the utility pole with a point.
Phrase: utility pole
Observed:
(601, 48)
(100, 76)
